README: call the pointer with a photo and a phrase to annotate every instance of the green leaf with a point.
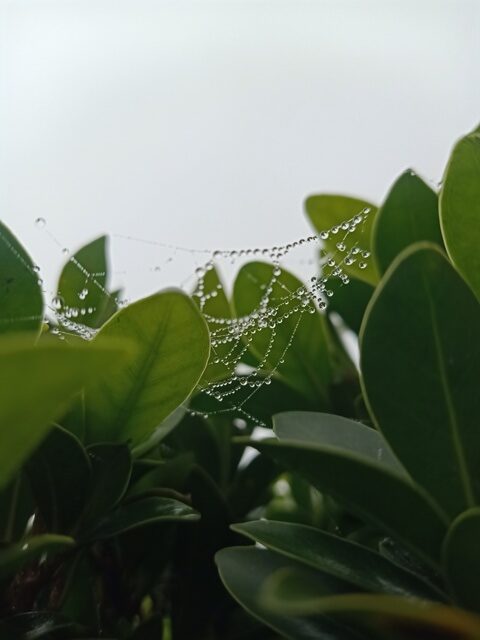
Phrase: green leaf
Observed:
(377, 616)
(350, 301)
(160, 433)
(38, 384)
(420, 358)
(348, 561)
(140, 513)
(171, 349)
(60, 477)
(21, 301)
(461, 559)
(408, 215)
(215, 307)
(16, 556)
(111, 469)
(327, 210)
(371, 491)
(244, 570)
(83, 282)
(460, 208)
(337, 432)
(300, 350)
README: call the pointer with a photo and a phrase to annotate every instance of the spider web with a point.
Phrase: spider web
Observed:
(248, 348)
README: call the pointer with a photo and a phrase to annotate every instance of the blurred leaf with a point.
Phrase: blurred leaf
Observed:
(140, 513)
(460, 208)
(171, 348)
(376, 616)
(16, 507)
(83, 282)
(461, 559)
(356, 565)
(160, 433)
(111, 469)
(369, 490)
(420, 357)
(300, 352)
(327, 210)
(60, 475)
(38, 384)
(16, 556)
(21, 300)
(336, 432)
(244, 571)
(408, 215)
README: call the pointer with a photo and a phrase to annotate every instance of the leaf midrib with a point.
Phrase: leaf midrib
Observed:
(452, 417)
(125, 411)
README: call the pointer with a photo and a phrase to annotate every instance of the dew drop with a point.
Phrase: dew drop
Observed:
(362, 265)
(40, 223)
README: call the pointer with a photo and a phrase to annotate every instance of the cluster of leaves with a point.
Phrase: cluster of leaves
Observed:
(114, 499)
(407, 565)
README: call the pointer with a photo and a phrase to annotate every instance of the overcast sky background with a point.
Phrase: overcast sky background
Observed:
(207, 123)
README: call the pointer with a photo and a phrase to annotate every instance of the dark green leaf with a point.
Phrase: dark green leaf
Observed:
(171, 349)
(337, 432)
(362, 568)
(408, 215)
(140, 513)
(350, 301)
(21, 301)
(60, 476)
(111, 470)
(461, 559)
(420, 359)
(460, 208)
(371, 491)
(377, 616)
(244, 571)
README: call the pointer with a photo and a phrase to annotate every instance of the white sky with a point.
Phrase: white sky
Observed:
(207, 123)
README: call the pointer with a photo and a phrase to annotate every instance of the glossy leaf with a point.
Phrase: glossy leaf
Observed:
(83, 282)
(60, 474)
(408, 215)
(337, 432)
(139, 513)
(21, 301)
(361, 567)
(171, 349)
(14, 557)
(460, 208)
(327, 210)
(300, 353)
(244, 571)
(461, 559)
(420, 358)
(38, 383)
(376, 616)
(16, 507)
(372, 492)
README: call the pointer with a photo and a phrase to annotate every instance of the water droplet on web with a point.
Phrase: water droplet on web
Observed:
(83, 294)
(40, 223)
(324, 235)
(362, 265)
(57, 302)
(36, 268)
(65, 251)
(341, 246)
